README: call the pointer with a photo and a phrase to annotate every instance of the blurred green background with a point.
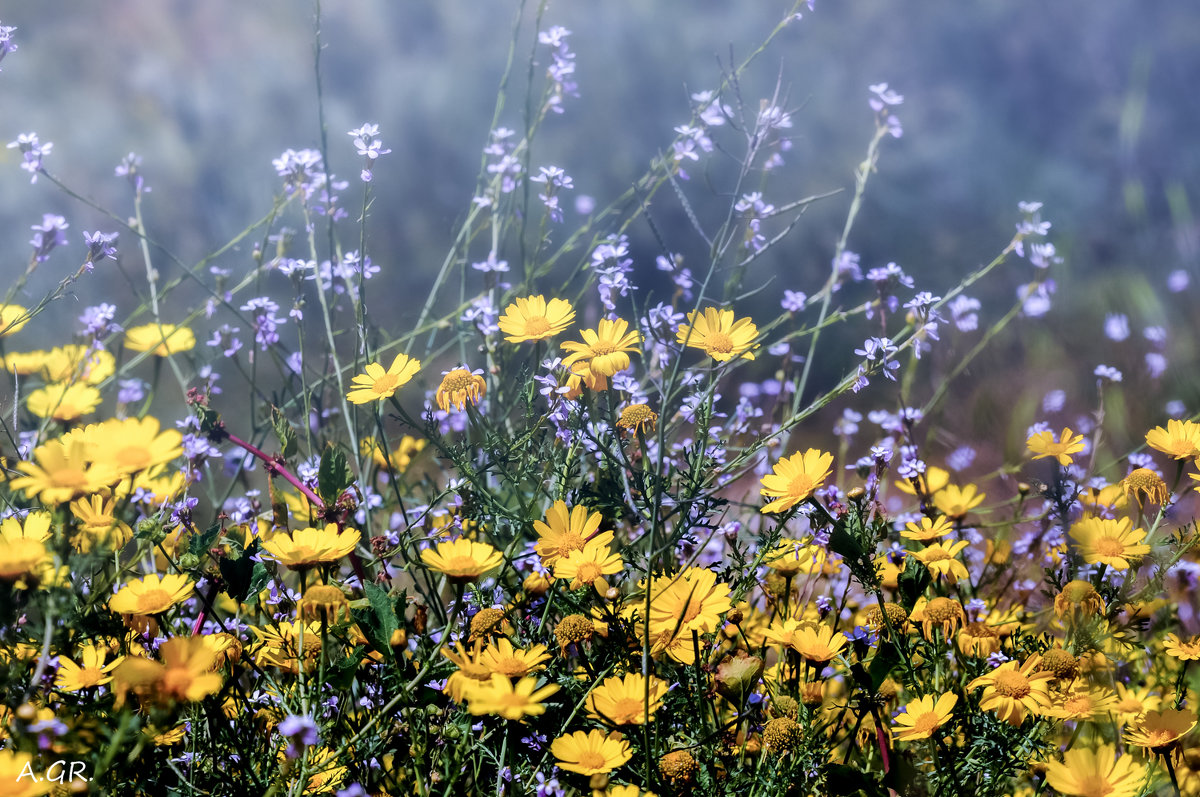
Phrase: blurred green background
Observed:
(1086, 106)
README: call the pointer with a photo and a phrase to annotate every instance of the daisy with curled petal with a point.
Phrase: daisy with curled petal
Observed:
(604, 349)
(161, 340)
(377, 384)
(535, 318)
(941, 559)
(1181, 439)
(1043, 444)
(1096, 773)
(1012, 689)
(1160, 731)
(462, 560)
(719, 334)
(309, 547)
(460, 385)
(793, 479)
(588, 566)
(500, 696)
(1182, 649)
(923, 716)
(91, 671)
(591, 753)
(1112, 542)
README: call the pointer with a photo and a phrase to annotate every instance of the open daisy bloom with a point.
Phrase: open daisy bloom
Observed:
(99, 524)
(534, 318)
(604, 349)
(590, 753)
(794, 478)
(1012, 689)
(500, 696)
(568, 529)
(23, 552)
(588, 566)
(90, 671)
(719, 334)
(63, 469)
(64, 402)
(941, 559)
(133, 445)
(927, 529)
(1180, 440)
(621, 700)
(1182, 649)
(462, 560)
(377, 384)
(818, 645)
(13, 318)
(1043, 444)
(501, 657)
(1160, 731)
(923, 716)
(459, 386)
(185, 674)
(955, 502)
(1112, 542)
(309, 547)
(152, 594)
(691, 600)
(161, 340)
(1096, 773)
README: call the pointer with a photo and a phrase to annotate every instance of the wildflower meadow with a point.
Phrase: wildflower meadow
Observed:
(588, 517)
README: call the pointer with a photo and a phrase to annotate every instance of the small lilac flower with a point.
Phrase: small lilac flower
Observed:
(1107, 372)
(1178, 280)
(793, 301)
(301, 731)
(1116, 326)
(369, 146)
(1175, 408)
(47, 235)
(960, 458)
(131, 392)
(97, 320)
(1156, 364)
(129, 169)
(100, 247)
(1036, 297)
(32, 150)
(491, 264)
(6, 41)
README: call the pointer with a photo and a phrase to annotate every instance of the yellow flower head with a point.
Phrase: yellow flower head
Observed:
(955, 502)
(621, 701)
(1160, 731)
(590, 753)
(930, 482)
(1182, 649)
(1144, 485)
(789, 558)
(691, 600)
(923, 716)
(1078, 598)
(185, 674)
(305, 548)
(637, 416)
(604, 349)
(1082, 703)
(720, 336)
(99, 524)
(534, 318)
(90, 671)
(13, 318)
(152, 594)
(377, 384)
(502, 658)
(500, 696)
(1180, 440)
(1101, 771)
(133, 445)
(74, 363)
(941, 558)
(462, 560)
(588, 566)
(23, 552)
(63, 401)
(459, 386)
(162, 340)
(1112, 542)
(795, 478)
(819, 645)
(1012, 689)
(568, 529)
(927, 529)
(1043, 444)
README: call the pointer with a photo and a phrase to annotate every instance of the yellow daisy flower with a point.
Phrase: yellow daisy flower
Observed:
(63, 402)
(720, 336)
(637, 416)
(73, 363)
(377, 384)
(691, 600)
(185, 674)
(1082, 703)
(14, 773)
(92, 671)
(923, 716)
(1012, 689)
(1160, 731)
(927, 529)
(1182, 649)
(1096, 773)
(1112, 542)
(152, 594)
(500, 696)
(13, 318)
(511, 662)
(459, 386)
(1180, 440)
(590, 753)
(132, 445)
(941, 558)
(588, 566)
(794, 479)
(62, 471)
(955, 502)
(99, 524)
(462, 560)
(621, 701)
(534, 318)
(789, 558)
(819, 645)
(308, 547)
(161, 340)
(23, 550)
(1133, 702)
(568, 529)
(1043, 444)
(605, 348)
(931, 481)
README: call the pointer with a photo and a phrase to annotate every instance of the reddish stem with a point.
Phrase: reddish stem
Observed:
(275, 466)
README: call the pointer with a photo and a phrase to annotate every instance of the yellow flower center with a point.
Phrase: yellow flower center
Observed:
(461, 564)
(592, 759)
(602, 347)
(626, 710)
(537, 325)
(1011, 683)
(132, 457)
(1078, 591)
(510, 666)
(74, 478)
(941, 610)
(588, 572)
(1079, 706)
(1160, 737)
(1108, 546)
(385, 383)
(935, 555)
(927, 722)
(153, 601)
(801, 485)
(458, 379)
(719, 342)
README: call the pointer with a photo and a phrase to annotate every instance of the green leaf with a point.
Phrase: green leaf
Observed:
(199, 544)
(381, 621)
(285, 433)
(239, 571)
(334, 475)
(260, 577)
(912, 581)
(844, 543)
(845, 781)
(883, 662)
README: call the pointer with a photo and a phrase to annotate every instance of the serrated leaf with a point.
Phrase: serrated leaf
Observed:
(334, 475)
(912, 582)
(882, 664)
(199, 544)
(260, 577)
(239, 571)
(845, 544)
(285, 433)
(384, 613)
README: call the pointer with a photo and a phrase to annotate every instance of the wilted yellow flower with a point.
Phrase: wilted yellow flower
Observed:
(459, 386)
(637, 416)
